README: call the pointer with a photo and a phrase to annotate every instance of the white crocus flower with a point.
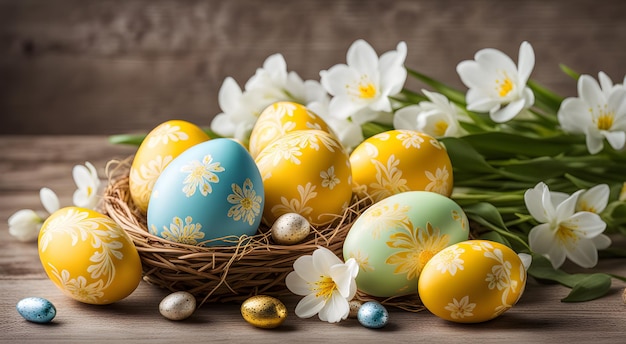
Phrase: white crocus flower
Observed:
(26, 223)
(366, 81)
(563, 232)
(496, 85)
(599, 112)
(89, 186)
(438, 117)
(240, 111)
(327, 283)
(271, 83)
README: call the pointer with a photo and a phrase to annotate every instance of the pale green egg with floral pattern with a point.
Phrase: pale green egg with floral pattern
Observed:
(211, 194)
(394, 239)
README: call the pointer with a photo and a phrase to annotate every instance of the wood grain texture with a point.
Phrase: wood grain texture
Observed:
(111, 66)
(35, 161)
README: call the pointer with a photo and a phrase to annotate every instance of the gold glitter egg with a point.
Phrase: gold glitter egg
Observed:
(263, 311)
(290, 228)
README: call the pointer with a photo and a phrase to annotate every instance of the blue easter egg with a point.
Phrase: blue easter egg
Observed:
(36, 309)
(211, 191)
(372, 314)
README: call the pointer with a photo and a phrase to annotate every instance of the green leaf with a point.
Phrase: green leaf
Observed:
(589, 288)
(572, 73)
(127, 139)
(585, 287)
(500, 145)
(451, 93)
(464, 157)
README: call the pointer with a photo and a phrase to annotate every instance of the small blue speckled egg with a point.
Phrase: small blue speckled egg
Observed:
(210, 191)
(372, 314)
(36, 309)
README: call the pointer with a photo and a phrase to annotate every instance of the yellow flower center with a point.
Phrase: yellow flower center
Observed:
(367, 90)
(505, 86)
(605, 120)
(566, 234)
(325, 287)
(584, 206)
(440, 128)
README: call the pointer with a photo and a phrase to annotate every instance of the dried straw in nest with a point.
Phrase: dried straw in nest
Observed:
(251, 266)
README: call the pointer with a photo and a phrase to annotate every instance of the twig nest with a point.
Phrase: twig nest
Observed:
(290, 228)
(179, 305)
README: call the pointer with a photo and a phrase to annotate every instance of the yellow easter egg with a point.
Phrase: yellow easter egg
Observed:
(279, 119)
(396, 161)
(158, 149)
(88, 256)
(305, 172)
(472, 281)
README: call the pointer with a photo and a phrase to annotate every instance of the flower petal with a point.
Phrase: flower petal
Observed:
(406, 117)
(49, 200)
(324, 259)
(508, 112)
(601, 241)
(304, 267)
(587, 225)
(526, 61)
(542, 241)
(584, 253)
(336, 309)
(296, 284)
(594, 200)
(309, 306)
(534, 203)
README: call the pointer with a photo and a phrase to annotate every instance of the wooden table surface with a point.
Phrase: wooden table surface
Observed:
(28, 163)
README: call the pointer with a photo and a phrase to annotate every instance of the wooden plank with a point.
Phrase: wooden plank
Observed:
(116, 66)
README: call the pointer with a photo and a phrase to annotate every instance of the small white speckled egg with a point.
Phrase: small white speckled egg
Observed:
(178, 305)
(290, 228)
(355, 305)
(36, 309)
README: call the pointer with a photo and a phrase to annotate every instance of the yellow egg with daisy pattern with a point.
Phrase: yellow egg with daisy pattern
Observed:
(88, 256)
(158, 149)
(400, 160)
(279, 119)
(472, 281)
(305, 172)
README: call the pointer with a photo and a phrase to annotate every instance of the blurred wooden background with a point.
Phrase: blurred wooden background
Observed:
(104, 67)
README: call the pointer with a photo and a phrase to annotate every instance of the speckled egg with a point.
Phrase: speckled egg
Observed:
(279, 119)
(472, 281)
(211, 194)
(158, 149)
(372, 314)
(394, 238)
(264, 311)
(178, 305)
(88, 256)
(290, 228)
(305, 172)
(36, 309)
(400, 160)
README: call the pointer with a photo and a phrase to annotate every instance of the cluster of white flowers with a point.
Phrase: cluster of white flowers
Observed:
(25, 224)
(346, 96)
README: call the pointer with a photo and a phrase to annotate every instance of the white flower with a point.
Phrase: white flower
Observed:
(594, 200)
(496, 85)
(89, 186)
(599, 112)
(438, 117)
(271, 83)
(327, 283)
(365, 82)
(26, 223)
(563, 232)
